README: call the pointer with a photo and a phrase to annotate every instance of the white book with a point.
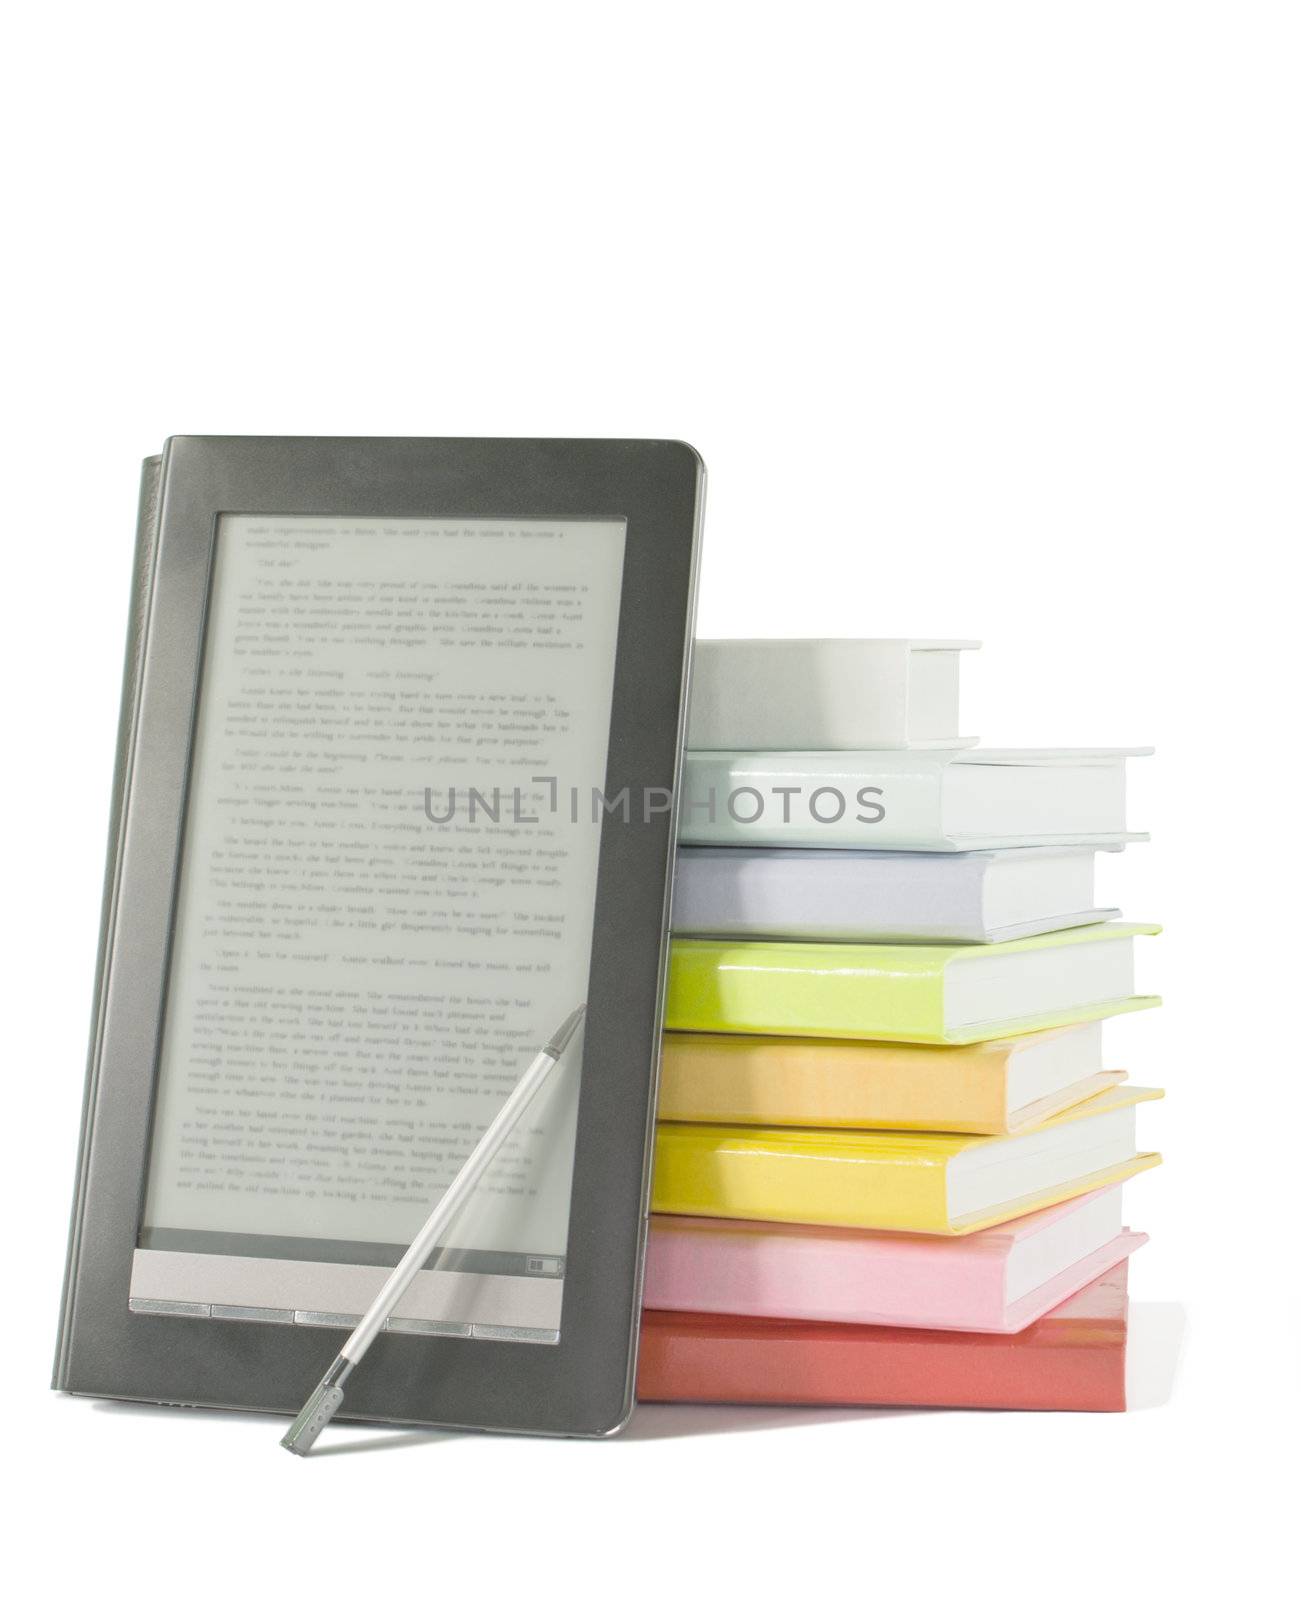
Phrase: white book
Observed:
(977, 897)
(933, 800)
(825, 694)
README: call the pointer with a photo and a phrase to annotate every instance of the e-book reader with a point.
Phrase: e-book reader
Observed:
(396, 789)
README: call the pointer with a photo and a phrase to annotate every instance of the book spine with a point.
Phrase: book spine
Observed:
(780, 801)
(823, 894)
(141, 593)
(829, 1084)
(717, 987)
(748, 1361)
(750, 694)
(747, 1269)
(770, 1177)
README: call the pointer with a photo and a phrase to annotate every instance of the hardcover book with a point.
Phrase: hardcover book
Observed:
(996, 1281)
(943, 1183)
(936, 800)
(1002, 1086)
(922, 994)
(825, 694)
(977, 897)
(1073, 1359)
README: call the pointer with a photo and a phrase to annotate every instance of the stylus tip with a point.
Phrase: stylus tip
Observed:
(555, 1045)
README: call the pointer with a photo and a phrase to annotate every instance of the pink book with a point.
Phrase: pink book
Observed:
(997, 1281)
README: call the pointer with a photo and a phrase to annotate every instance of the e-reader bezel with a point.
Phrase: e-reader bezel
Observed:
(584, 1383)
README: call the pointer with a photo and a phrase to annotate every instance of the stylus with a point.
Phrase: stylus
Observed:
(327, 1397)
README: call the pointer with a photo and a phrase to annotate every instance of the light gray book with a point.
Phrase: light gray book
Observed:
(938, 800)
(826, 694)
(979, 897)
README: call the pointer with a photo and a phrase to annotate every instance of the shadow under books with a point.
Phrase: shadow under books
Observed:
(1157, 1333)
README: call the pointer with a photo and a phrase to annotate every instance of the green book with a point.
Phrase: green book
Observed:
(920, 994)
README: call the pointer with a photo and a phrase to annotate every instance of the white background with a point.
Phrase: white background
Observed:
(985, 319)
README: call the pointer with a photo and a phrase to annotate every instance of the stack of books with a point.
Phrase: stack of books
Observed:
(890, 1156)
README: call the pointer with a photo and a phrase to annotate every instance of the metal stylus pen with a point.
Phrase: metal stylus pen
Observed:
(327, 1397)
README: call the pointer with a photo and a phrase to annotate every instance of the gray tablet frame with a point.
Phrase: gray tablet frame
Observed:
(584, 1384)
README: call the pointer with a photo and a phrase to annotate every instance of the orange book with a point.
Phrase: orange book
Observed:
(1002, 1086)
(1071, 1360)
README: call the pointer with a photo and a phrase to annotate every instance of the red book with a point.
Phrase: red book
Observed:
(1071, 1360)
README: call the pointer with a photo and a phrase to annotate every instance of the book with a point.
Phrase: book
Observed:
(977, 897)
(1073, 1359)
(1000, 1086)
(935, 800)
(918, 993)
(999, 1280)
(825, 694)
(943, 1183)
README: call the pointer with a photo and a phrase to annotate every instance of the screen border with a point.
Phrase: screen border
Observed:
(584, 1384)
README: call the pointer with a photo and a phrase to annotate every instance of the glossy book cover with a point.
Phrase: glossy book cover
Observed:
(905, 1182)
(895, 992)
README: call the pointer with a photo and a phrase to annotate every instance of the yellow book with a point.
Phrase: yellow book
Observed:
(1002, 1086)
(945, 1183)
(923, 994)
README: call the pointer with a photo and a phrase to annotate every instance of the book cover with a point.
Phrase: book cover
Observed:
(998, 1280)
(1073, 1359)
(976, 897)
(900, 1182)
(773, 1080)
(825, 694)
(930, 800)
(888, 992)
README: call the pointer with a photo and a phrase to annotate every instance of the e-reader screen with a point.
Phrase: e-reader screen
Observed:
(384, 909)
